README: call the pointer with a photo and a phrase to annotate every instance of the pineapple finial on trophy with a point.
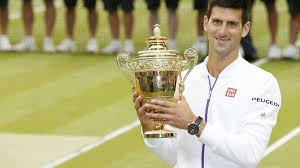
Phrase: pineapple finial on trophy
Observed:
(156, 30)
(156, 41)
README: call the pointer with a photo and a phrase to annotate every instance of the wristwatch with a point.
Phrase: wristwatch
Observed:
(193, 128)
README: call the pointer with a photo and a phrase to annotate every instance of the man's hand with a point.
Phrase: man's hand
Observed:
(146, 123)
(178, 114)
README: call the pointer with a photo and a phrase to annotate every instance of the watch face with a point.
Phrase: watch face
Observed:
(193, 128)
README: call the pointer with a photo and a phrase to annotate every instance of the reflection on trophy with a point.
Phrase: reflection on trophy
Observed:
(156, 74)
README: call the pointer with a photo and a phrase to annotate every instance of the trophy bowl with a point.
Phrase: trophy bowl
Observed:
(156, 73)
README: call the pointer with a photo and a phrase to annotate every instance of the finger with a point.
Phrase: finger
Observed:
(159, 116)
(163, 103)
(160, 109)
(138, 103)
(142, 114)
(182, 98)
(164, 122)
(134, 96)
(142, 111)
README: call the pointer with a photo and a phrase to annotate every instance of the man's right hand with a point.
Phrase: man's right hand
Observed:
(146, 123)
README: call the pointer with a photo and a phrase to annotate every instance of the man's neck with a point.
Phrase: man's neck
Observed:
(217, 63)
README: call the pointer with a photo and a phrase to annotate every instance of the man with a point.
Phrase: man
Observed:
(50, 16)
(200, 44)
(291, 51)
(222, 120)
(111, 7)
(68, 43)
(28, 42)
(172, 5)
(274, 52)
(248, 49)
(4, 42)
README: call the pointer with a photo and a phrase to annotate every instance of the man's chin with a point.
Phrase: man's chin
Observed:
(222, 50)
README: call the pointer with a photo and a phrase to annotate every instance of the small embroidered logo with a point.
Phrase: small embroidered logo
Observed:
(231, 92)
(263, 115)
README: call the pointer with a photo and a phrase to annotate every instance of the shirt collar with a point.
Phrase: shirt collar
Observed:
(229, 71)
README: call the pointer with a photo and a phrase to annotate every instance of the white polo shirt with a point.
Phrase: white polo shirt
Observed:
(242, 111)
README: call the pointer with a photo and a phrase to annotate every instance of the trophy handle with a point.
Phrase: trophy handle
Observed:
(123, 58)
(190, 60)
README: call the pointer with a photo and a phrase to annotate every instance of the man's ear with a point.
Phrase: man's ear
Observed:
(205, 21)
(246, 29)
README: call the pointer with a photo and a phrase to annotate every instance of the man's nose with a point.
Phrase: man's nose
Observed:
(223, 29)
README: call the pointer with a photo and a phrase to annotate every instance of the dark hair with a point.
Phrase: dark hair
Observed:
(234, 4)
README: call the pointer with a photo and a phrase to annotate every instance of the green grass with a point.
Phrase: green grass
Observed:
(86, 95)
(127, 151)
(286, 156)
(287, 74)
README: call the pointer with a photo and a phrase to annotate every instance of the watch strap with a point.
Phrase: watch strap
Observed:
(198, 120)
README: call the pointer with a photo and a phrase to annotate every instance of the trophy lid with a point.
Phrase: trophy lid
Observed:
(157, 46)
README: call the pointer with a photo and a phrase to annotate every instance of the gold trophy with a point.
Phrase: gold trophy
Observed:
(156, 74)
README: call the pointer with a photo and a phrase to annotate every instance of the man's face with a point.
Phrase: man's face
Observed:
(225, 30)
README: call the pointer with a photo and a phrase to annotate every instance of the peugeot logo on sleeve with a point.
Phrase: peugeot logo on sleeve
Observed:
(262, 100)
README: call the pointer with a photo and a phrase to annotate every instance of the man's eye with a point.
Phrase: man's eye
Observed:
(217, 22)
(232, 24)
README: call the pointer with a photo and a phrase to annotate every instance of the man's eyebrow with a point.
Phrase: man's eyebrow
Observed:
(227, 21)
(232, 21)
(216, 19)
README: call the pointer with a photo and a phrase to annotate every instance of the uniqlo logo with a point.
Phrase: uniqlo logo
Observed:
(231, 92)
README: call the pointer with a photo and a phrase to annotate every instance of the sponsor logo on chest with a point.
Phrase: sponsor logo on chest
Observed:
(231, 92)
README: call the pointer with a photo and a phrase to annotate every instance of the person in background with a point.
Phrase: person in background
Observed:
(28, 41)
(248, 50)
(68, 43)
(4, 41)
(50, 16)
(111, 6)
(172, 5)
(274, 52)
(291, 51)
(200, 44)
